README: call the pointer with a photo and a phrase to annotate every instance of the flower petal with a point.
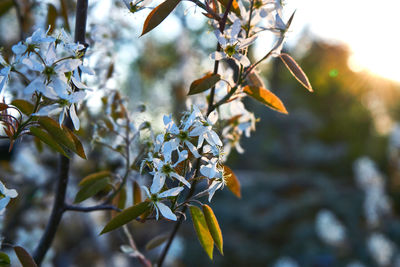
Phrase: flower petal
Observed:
(171, 192)
(166, 211)
(74, 117)
(181, 179)
(158, 183)
(242, 59)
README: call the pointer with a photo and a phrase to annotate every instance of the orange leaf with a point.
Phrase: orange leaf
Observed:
(266, 97)
(158, 14)
(232, 181)
(296, 71)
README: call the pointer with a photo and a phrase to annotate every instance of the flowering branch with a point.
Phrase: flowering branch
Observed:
(59, 202)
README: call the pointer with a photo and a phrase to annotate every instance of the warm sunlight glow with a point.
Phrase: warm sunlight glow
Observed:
(366, 26)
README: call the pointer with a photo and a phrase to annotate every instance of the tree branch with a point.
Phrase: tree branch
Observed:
(56, 213)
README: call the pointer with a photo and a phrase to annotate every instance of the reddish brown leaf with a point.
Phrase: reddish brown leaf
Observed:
(24, 257)
(204, 83)
(158, 14)
(296, 71)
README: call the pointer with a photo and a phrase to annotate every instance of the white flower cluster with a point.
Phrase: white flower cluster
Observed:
(372, 183)
(181, 144)
(329, 228)
(50, 66)
(244, 29)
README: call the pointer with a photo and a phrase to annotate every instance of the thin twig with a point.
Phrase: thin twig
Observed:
(89, 209)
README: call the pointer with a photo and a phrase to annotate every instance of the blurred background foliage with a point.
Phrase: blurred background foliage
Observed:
(293, 165)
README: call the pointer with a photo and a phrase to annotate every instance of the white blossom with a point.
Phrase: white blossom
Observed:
(329, 228)
(156, 197)
(62, 106)
(232, 44)
(5, 196)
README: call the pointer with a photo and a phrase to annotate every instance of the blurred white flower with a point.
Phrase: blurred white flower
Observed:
(381, 249)
(329, 228)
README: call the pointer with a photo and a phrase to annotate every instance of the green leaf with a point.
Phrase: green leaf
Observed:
(78, 145)
(62, 135)
(4, 259)
(126, 216)
(51, 17)
(58, 133)
(232, 181)
(5, 5)
(122, 196)
(296, 71)
(47, 139)
(137, 193)
(91, 178)
(158, 14)
(204, 83)
(24, 106)
(24, 257)
(91, 189)
(157, 241)
(266, 97)
(213, 227)
(201, 228)
(119, 201)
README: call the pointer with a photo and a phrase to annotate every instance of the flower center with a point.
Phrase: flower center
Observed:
(183, 135)
(63, 102)
(134, 8)
(230, 50)
(48, 71)
(166, 168)
(154, 197)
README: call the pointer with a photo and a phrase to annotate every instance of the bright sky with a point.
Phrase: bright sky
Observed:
(370, 28)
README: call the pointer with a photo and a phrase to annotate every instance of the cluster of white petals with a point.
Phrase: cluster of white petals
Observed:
(51, 65)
